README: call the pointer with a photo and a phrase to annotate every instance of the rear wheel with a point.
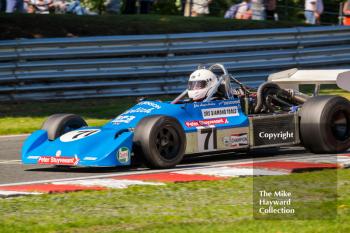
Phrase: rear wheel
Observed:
(160, 141)
(325, 124)
(58, 124)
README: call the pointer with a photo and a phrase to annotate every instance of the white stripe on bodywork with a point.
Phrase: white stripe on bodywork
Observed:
(233, 172)
(108, 183)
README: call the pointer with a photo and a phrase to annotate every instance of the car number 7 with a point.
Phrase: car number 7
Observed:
(207, 139)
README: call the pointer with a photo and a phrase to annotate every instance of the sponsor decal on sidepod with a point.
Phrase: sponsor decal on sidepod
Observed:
(123, 119)
(48, 160)
(220, 112)
(123, 155)
(236, 140)
(206, 122)
(151, 104)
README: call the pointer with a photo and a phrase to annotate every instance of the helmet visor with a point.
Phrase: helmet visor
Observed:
(196, 85)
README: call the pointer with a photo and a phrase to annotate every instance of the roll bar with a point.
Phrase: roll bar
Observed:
(225, 79)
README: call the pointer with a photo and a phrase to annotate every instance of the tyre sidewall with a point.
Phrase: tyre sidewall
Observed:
(146, 140)
(56, 124)
(315, 123)
(331, 142)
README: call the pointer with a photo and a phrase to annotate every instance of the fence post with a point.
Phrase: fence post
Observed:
(286, 9)
(191, 5)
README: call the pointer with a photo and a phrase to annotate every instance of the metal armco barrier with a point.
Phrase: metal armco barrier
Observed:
(91, 67)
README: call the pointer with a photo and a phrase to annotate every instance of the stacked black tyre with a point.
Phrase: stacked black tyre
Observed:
(159, 141)
(325, 124)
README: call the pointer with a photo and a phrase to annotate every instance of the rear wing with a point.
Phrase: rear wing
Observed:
(291, 79)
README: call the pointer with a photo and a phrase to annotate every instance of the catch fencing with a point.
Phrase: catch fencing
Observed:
(142, 65)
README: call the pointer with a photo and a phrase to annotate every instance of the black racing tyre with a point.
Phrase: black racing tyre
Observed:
(160, 141)
(325, 124)
(59, 124)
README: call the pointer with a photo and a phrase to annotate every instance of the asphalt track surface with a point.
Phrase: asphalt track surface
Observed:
(13, 172)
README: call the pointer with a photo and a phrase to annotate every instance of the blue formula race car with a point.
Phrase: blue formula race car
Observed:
(216, 113)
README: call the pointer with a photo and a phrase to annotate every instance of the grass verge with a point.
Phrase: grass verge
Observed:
(19, 118)
(325, 89)
(26, 117)
(42, 26)
(215, 206)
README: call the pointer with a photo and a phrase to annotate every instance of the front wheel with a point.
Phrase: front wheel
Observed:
(58, 124)
(325, 124)
(160, 140)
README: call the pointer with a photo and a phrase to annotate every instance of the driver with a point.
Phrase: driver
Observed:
(200, 83)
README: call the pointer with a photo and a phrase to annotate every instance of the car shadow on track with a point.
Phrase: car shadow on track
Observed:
(194, 161)
(80, 169)
(251, 154)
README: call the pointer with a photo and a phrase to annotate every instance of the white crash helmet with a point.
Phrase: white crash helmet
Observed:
(200, 83)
